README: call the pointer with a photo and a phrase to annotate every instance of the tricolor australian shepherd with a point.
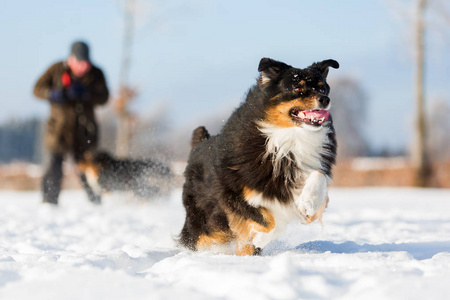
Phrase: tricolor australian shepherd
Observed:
(269, 165)
(106, 173)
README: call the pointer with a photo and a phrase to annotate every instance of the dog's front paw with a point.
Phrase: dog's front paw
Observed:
(307, 205)
(314, 197)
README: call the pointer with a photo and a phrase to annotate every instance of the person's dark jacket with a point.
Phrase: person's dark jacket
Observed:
(71, 125)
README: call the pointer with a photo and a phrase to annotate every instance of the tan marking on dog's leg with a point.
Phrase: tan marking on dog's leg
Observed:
(244, 230)
(270, 220)
(318, 214)
(207, 241)
(92, 174)
(245, 250)
(248, 193)
(92, 171)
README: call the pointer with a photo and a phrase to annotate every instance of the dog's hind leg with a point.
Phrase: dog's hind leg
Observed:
(214, 241)
(192, 228)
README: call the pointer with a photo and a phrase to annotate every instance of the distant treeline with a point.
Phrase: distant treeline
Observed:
(21, 140)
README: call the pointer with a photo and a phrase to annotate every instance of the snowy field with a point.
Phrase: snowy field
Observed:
(375, 243)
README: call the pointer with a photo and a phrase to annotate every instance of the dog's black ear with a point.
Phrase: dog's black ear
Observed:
(270, 69)
(324, 65)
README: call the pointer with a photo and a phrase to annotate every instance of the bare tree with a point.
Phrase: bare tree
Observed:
(136, 13)
(420, 159)
(439, 9)
(439, 138)
(125, 119)
(126, 93)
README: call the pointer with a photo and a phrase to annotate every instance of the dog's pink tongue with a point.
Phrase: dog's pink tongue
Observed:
(317, 114)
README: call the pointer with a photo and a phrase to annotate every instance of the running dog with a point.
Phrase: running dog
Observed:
(269, 165)
(106, 173)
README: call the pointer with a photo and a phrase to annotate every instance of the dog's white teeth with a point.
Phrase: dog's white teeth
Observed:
(302, 115)
(322, 119)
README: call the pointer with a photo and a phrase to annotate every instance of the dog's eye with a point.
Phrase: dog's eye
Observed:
(322, 90)
(299, 90)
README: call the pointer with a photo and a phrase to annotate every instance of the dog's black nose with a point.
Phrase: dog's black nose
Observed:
(324, 101)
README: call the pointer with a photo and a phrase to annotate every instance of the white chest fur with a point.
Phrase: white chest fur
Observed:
(304, 145)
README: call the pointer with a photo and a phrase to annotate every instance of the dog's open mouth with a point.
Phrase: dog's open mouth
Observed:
(310, 117)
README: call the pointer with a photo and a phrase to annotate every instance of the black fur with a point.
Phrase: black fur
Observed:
(199, 135)
(219, 167)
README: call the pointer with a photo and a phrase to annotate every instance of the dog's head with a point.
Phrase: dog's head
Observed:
(295, 97)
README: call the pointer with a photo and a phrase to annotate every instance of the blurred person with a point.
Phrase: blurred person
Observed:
(73, 88)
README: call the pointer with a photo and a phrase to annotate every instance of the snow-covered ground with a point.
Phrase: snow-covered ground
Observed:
(375, 243)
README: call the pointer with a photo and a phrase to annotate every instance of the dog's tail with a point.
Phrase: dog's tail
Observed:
(199, 135)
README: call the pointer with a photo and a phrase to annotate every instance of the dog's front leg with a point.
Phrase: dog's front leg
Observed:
(314, 197)
(248, 231)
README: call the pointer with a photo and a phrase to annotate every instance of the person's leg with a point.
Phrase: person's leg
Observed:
(51, 182)
(92, 196)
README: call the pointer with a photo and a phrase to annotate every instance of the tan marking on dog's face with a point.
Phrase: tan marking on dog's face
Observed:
(217, 238)
(279, 115)
(245, 250)
(275, 97)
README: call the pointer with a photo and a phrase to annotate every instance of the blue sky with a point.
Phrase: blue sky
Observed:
(198, 57)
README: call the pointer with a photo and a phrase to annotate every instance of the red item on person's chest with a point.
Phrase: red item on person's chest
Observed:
(65, 78)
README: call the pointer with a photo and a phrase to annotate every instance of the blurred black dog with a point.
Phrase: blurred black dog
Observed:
(269, 165)
(106, 173)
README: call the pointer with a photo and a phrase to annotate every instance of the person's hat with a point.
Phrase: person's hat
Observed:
(80, 50)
